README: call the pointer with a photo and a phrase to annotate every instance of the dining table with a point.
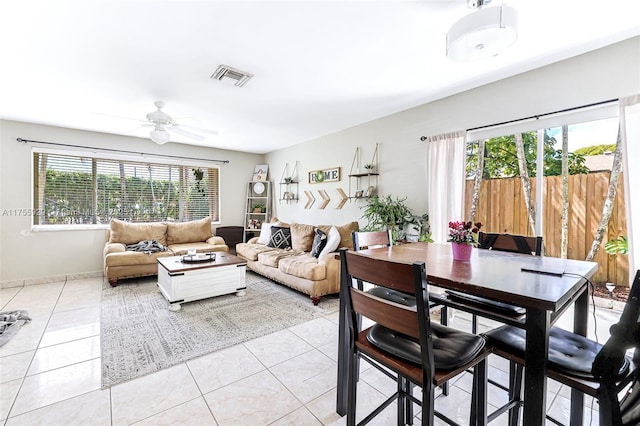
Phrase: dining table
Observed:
(545, 286)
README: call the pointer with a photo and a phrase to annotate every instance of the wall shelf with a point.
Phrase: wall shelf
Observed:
(363, 183)
(289, 185)
(257, 193)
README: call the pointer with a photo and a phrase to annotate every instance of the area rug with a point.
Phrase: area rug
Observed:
(140, 335)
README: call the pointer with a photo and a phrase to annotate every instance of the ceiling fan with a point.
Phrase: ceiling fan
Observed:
(163, 125)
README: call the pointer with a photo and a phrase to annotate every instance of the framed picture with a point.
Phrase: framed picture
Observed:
(359, 193)
(325, 175)
(260, 172)
(286, 196)
(369, 192)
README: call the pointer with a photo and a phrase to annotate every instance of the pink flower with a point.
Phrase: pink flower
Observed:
(464, 232)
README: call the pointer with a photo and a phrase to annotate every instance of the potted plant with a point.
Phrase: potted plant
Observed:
(369, 168)
(259, 208)
(288, 180)
(388, 213)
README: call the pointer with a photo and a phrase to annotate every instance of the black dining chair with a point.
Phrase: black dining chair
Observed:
(499, 242)
(372, 239)
(500, 311)
(403, 343)
(603, 372)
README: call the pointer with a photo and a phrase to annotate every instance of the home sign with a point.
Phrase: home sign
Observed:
(326, 175)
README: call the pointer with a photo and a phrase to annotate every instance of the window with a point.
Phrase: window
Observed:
(74, 190)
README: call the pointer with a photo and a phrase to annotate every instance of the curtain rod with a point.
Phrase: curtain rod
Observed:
(120, 150)
(537, 116)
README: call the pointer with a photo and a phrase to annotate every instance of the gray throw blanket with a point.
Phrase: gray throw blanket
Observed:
(147, 246)
(10, 322)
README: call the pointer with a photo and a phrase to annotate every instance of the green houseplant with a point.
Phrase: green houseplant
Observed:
(259, 208)
(388, 213)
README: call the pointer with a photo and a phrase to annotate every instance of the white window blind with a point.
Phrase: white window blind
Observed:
(74, 189)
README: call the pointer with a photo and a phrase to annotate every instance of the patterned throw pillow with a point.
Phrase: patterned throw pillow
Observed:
(280, 237)
(319, 241)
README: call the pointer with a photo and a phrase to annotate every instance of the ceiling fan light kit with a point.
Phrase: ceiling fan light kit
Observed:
(484, 33)
(159, 135)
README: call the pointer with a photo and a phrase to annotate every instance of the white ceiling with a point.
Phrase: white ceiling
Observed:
(319, 66)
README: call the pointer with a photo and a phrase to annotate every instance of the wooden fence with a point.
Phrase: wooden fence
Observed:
(501, 208)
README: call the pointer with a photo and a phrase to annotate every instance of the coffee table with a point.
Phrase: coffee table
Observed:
(183, 281)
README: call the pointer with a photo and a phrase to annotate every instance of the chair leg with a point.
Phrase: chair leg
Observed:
(428, 411)
(478, 414)
(515, 391)
(444, 320)
(408, 403)
(352, 382)
(401, 399)
(474, 324)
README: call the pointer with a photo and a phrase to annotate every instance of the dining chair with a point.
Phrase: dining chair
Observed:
(499, 242)
(372, 239)
(602, 371)
(363, 240)
(500, 311)
(403, 343)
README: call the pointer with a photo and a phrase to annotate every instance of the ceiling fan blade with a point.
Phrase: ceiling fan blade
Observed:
(201, 130)
(120, 117)
(185, 133)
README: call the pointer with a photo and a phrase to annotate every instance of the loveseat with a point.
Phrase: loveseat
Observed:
(177, 237)
(296, 255)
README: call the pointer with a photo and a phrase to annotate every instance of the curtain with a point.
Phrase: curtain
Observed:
(630, 138)
(445, 182)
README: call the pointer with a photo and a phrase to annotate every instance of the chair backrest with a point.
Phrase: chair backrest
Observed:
(407, 278)
(624, 335)
(511, 243)
(363, 240)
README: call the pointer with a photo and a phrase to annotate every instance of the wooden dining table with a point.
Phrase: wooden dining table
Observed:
(513, 278)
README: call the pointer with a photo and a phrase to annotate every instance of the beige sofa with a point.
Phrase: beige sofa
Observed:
(177, 237)
(295, 267)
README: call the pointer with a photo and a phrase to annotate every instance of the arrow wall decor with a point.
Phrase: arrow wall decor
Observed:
(310, 199)
(343, 198)
(325, 199)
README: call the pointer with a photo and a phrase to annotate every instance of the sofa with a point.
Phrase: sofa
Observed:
(176, 237)
(300, 256)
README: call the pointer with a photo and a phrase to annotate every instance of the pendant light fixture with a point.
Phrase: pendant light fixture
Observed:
(484, 33)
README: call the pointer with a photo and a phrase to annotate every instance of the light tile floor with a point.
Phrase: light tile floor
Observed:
(50, 373)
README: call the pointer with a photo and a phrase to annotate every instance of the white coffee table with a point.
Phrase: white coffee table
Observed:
(180, 281)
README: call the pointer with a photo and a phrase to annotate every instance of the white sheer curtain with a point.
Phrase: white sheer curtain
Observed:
(630, 138)
(445, 181)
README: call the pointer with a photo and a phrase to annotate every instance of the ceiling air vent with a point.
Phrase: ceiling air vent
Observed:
(225, 71)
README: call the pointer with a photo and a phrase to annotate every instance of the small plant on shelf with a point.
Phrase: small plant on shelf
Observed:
(369, 167)
(288, 180)
(259, 208)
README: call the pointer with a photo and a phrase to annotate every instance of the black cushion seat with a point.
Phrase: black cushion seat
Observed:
(569, 353)
(451, 348)
(504, 308)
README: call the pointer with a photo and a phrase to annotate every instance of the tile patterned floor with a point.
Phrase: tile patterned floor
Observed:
(50, 373)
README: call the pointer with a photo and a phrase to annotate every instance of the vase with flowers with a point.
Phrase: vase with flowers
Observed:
(463, 236)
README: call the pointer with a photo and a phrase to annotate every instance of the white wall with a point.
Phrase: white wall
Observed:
(603, 74)
(26, 255)
(607, 73)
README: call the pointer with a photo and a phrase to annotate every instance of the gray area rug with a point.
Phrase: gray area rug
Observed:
(140, 335)
(10, 323)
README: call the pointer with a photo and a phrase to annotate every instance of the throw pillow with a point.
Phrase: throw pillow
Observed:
(319, 242)
(333, 241)
(189, 232)
(265, 232)
(345, 231)
(280, 237)
(302, 236)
